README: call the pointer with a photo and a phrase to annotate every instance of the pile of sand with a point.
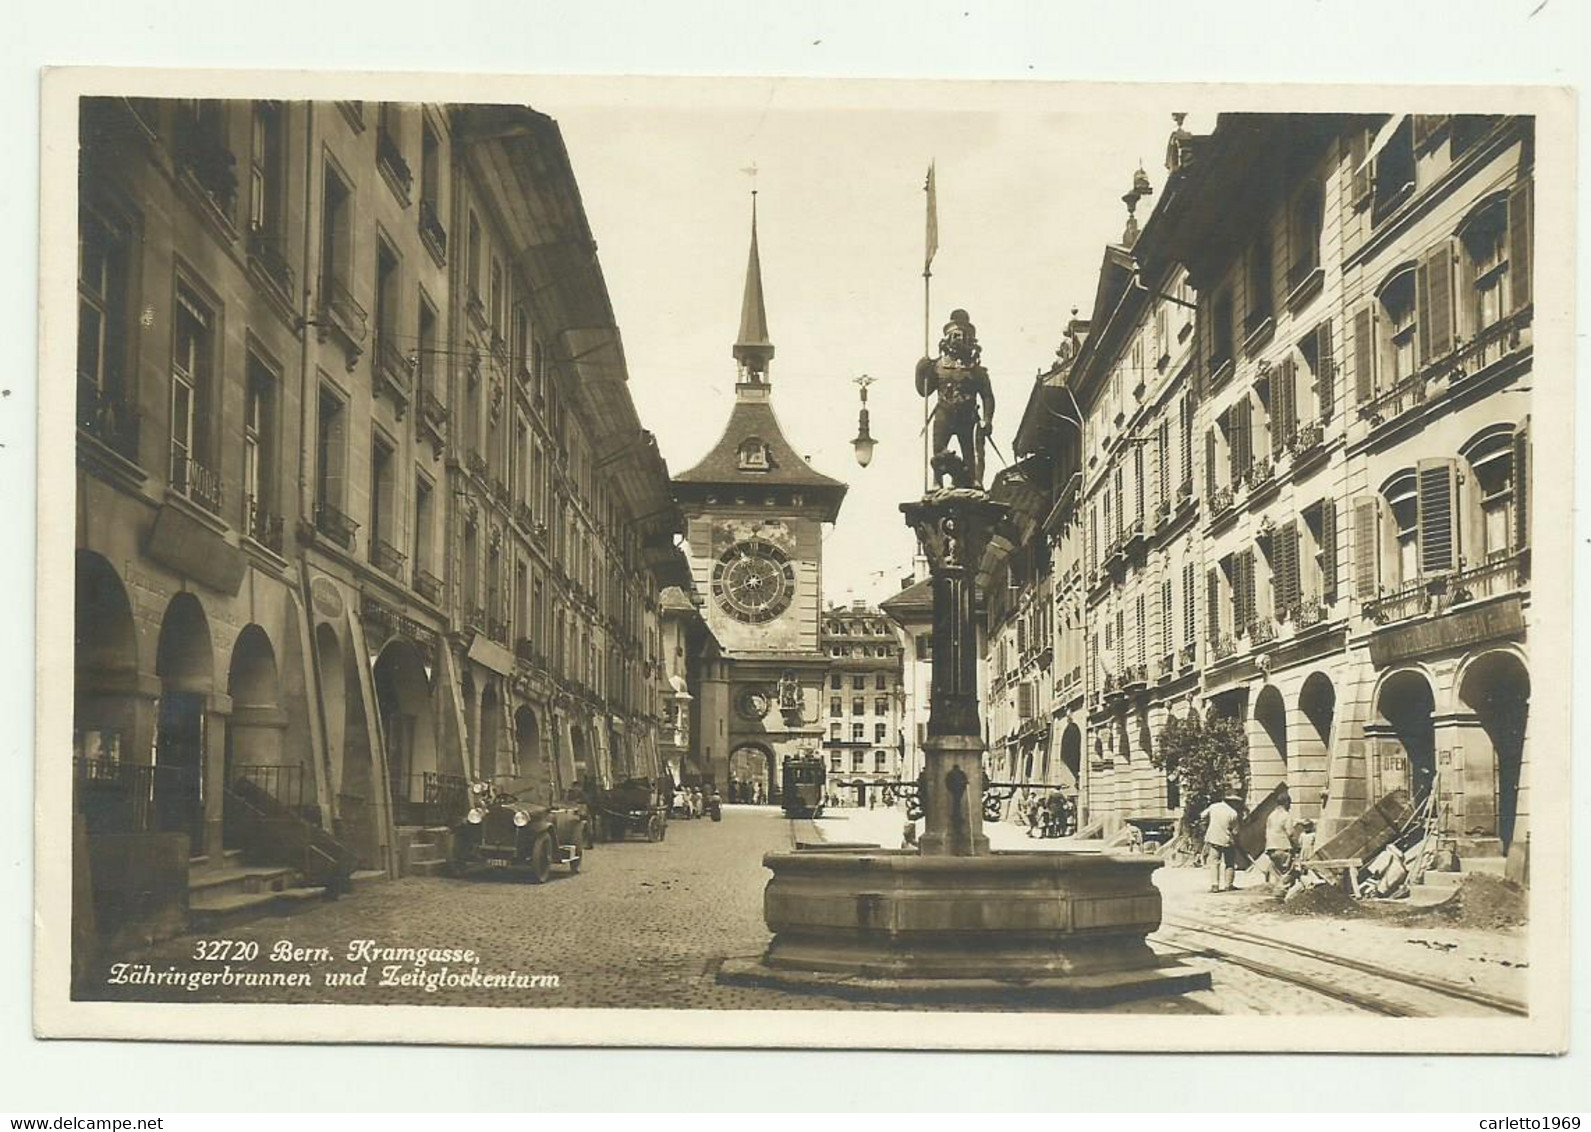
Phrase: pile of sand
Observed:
(1320, 900)
(1488, 902)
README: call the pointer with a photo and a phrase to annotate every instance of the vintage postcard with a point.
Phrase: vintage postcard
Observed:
(771, 562)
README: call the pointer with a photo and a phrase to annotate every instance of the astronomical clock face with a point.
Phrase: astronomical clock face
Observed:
(754, 704)
(753, 581)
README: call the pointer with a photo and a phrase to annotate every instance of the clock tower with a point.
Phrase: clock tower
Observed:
(754, 513)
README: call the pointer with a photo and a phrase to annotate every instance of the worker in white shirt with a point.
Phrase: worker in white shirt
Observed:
(1281, 839)
(1220, 829)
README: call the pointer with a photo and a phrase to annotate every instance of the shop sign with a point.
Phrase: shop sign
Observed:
(1450, 632)
(326, 598)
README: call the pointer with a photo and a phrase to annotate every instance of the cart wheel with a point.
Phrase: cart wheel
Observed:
(541, 859)
(654, 829)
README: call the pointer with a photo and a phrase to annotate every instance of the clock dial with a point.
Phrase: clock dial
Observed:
(753, 581)
(754, 704)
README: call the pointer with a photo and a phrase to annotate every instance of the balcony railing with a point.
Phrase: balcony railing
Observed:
(523, 516)
(261, 525)
(336, 526)
(1261, 632)
(1260, 474)
(268, 256)
(427, 585)
(107, 418)
(1187, 657)
(431, 230)
(1307, 439)
(1223, 646)
(1502, 574)
(1308, 613)
(394, 372)
(497, 629)
(1135, 676)
(475, 308)
(390, 158)
(387, 558)
(1132, 533)
(197, 482)
(341, 311)
(475, 619)
(1496, 342)
(1162, 513)
(500, 490)
(1184, 492)
(1167, 668)
(209, 162)
(477, 465)
(1221, 500)
(1409, 600)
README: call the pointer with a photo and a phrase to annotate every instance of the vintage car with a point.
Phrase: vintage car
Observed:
(507, 828)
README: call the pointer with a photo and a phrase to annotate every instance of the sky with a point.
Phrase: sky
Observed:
(1029, 192)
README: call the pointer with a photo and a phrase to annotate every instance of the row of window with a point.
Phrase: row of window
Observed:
(859, 733)
(859, 762)
(881, 681)
(881, 706)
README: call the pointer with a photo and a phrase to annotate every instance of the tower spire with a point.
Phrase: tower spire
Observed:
(752, 348)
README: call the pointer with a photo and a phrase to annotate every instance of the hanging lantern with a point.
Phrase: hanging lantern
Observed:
(864, 442)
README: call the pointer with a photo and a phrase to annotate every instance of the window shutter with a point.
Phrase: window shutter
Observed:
(1325, 371)
(1278, 400)
(1437, 534)
(1189, 617)
(1366, 546)
(1212, 603)
(1245, 430)
(1328, 551)
(1185, 434)
(1290, 544)
(1167, 605)
(1425, 126)
(1209, 460)
(1433, 302)
(1522, 486)
(1521, 223)
(1243, 606)
(1359, 168)
(1364, 353)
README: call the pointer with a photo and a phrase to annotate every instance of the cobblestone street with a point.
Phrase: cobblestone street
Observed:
(642, 926)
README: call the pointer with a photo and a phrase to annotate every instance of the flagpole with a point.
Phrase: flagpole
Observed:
(930, 246)
(928, 476)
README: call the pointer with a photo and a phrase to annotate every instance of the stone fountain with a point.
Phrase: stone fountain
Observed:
(950, 920)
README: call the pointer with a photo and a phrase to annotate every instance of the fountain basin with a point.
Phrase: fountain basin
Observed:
(1067, 928)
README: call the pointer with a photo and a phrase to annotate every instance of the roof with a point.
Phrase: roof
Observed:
(912, 603)
(722, 465)
(753, 347)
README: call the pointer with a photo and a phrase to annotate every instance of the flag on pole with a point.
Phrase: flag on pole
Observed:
(933, 220)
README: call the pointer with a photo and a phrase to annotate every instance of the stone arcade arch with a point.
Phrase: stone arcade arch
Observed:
(186, 730)
(750, 764)
(107, 702)
(1404, 735)
(528, 753)
(1312, 739)
(1072, 751)
(1267, 742)
(254, 747)
(1495, 687)
(408, 727)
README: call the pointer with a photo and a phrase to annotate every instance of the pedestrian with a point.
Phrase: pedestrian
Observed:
(1220, 827)
(1281, 839)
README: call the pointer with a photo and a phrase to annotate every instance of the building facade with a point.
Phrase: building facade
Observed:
(864, 740)
(364, 506)
(754, 512)
(1304, 499)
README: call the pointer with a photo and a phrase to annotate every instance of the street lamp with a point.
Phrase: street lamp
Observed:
(864, 442)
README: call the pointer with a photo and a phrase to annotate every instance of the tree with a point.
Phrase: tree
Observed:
(1208, 759)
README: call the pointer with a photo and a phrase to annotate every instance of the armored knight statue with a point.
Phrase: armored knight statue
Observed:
(962, 387)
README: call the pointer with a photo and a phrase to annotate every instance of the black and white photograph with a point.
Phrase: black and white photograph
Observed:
(625, 561)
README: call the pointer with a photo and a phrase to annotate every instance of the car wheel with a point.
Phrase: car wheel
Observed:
(541, 859)
(654, 829)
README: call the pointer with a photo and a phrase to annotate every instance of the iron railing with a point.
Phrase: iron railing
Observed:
(1495, 342)
(431, 230)
(387, 558)
(117, 797)
(108, 418)
(1501, 574)
(391, 159)
(201, 153)
(1409, 600)
(283, 781)
(475, 619)
(447, 797)
(331, 522)
(268, 255)
(393, 370)
(339, 307)
(261, 525)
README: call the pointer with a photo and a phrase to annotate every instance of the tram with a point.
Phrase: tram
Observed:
(802, 781)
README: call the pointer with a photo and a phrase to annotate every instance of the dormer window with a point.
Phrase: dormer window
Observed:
(754, 455)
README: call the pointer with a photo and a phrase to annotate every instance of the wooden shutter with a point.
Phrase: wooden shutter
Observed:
(1366, 546)
(1212, 603)
(1246, 573)
(1522, 486)
(1185, 434)
(1278, 397)
(1284, 564)
(1325, 371)
(1289, 399)
(1209, 460)
(1328, 551)
(1189, 618)
(1433, 302)
(1364, 352)
(1167, 605)
(1438, 533)
(1359, 170)
(1521, 224)
(1425, 127)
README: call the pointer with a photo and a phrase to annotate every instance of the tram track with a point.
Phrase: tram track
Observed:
(1391, 993)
